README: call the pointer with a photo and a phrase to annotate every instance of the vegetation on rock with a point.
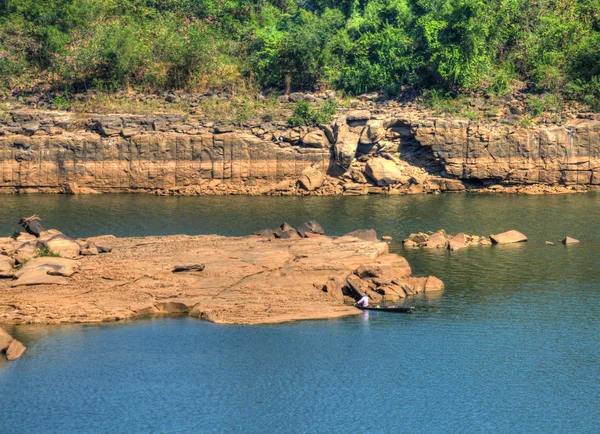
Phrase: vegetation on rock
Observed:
(549, 47)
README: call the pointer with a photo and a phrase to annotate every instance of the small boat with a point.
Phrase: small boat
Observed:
(388, 308)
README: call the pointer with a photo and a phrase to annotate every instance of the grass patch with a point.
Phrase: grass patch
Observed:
(46, 252)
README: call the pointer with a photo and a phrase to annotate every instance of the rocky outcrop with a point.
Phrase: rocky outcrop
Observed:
(247, 280)
(365, 151)
(441, 240)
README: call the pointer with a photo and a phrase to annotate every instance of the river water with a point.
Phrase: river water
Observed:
(511, 345)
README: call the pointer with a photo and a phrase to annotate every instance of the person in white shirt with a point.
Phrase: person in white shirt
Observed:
(364, 301)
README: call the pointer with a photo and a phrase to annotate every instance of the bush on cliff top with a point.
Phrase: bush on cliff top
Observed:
(236, 45)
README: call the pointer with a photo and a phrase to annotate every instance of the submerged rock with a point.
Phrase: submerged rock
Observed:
(508, 237)
(363, 234)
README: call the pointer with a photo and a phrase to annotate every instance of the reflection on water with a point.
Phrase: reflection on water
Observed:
(511, 345)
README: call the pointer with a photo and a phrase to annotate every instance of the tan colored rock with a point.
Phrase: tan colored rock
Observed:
(334, 288)
(358, 115)
(5, 340)
(508, 237)
(50, 265)
(459, 241)
(372, 133)
(6, 267)
(433, 284)
(315, 139)
(247, 280)
(71, 188)
(383, 171)
(61, 244)
(437, 240)
(311, 179)
(345, 146)
(15, 350)
(568, 241)
(38, 277)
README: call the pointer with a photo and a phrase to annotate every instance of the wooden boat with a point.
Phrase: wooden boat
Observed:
(388, 308)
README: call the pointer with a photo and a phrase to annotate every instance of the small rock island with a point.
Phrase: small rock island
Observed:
(278, 275)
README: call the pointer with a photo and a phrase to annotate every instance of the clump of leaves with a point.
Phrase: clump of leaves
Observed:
(45, 251)
(21, 264)
(307, 115)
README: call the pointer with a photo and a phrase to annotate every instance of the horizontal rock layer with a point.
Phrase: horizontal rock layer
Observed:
(116, 152)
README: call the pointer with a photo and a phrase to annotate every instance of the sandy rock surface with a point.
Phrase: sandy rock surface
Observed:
(248, 280)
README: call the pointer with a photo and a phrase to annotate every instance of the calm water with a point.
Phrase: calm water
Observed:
(512, 345)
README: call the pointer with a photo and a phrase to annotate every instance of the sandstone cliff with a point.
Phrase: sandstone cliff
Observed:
(361, 152)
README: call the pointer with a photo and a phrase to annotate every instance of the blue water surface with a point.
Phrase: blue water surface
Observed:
(511, 345)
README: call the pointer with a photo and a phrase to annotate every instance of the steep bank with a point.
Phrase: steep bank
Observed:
(369, 150)
(248, 280)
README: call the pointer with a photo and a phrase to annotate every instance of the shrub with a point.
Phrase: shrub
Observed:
(306, 115)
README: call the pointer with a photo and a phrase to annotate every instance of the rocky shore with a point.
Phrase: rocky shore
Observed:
(370, 148)
(266, 278)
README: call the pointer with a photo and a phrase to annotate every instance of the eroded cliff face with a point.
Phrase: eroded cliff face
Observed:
(45, 151)
(568, 154)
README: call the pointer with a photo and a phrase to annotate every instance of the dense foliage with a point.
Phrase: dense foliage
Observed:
(353, 45)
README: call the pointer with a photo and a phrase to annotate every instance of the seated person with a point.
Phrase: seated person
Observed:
(364, 301)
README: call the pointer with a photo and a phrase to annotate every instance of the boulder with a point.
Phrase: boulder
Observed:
(383, 171)
(458, 241)
(296, 96)
(286, 231)
(66, 247)
(568, 240)
(358, 115)
(372, 133)
(357, 285)
(345, 146)
(39, 277)
(508, 237)
(433, 284)
(5, 340)
(334, 288)
(363, 234)
(315, 139)
(311, 179)
(51, 266)
(310, 227)
(369, 271)
(437, 240)
(15, 350)
(6, 267)
(71, 188)
(25, 251)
